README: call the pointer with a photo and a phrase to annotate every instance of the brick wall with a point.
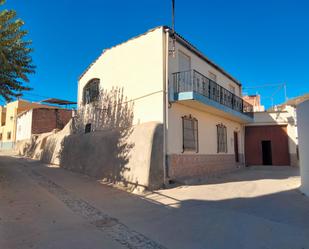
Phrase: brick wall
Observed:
(45, 120)
(186, 167)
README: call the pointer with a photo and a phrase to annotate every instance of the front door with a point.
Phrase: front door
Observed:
(236, 146)
(266, 152)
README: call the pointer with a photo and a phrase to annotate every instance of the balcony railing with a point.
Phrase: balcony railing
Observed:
(193, 81)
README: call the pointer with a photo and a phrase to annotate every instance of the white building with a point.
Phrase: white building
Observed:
(198, 103)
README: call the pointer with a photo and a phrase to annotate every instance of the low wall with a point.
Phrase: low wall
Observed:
(134, 161)
(186, 168)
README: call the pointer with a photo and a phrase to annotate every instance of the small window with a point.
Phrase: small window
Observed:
(221, 138)
(8, 135)
(212, 76)
(91, 91)
(190, 133)
(87, 128)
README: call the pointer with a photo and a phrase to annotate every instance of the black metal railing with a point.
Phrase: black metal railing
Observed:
(192, 80)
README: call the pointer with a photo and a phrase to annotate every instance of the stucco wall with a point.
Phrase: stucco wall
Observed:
(137, 67)
(303, 124)
(24, 126)
(207, 131)
(201, 66)
(135, 161)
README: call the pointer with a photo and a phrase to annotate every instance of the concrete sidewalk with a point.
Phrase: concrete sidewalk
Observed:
(253, 208)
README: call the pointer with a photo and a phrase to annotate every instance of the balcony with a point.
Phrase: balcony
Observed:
(192, 85)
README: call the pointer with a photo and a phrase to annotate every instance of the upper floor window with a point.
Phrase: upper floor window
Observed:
(190, 133)
(91, 91)
(221, 138)
(212, 76)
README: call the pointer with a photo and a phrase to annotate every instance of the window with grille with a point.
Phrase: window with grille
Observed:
(91, 91)
(221, 138)
(190, 133)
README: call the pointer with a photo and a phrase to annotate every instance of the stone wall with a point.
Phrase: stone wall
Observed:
(190, 167)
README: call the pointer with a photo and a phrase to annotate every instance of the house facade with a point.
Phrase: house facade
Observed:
(40, 120)
(9, 114)
(170, 82)
(272, 138)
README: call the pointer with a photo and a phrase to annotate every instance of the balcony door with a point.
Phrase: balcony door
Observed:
(184, 65)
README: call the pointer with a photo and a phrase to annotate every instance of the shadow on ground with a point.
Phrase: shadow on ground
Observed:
(274, 220)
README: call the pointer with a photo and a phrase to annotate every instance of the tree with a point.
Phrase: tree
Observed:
(15, 60)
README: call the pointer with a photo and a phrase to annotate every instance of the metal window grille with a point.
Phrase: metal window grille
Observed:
(190, 133)
(221, 138)
(91, 91)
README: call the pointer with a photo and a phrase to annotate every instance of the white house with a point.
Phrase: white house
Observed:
(197, 103)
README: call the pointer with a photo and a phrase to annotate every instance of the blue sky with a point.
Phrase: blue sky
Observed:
(258, 42)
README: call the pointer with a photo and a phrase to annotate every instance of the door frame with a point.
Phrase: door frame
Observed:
(236, 147)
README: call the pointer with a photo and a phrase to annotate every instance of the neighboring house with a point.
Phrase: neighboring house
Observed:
(272, 138)
(255, 101)
(8, 119)
(41, 120)
(172, 83)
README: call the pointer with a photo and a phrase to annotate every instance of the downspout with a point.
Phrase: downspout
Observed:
(165, 102)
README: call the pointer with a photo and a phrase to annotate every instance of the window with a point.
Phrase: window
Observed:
(88, 128)
(91, 91)
(212, 76)
(190, 133)
(221, 138)
(8, 135)
(0, 136)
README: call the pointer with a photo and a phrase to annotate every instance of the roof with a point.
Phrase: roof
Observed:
(58, 101)
(181, 40)
(297, 100)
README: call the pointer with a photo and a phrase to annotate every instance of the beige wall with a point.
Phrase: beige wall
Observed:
(201, 66)
(137, 66)
(207, 131)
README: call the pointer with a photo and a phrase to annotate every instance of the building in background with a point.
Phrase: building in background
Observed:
(8, 119)
(40, 120)
(272, 138)
(255, 101)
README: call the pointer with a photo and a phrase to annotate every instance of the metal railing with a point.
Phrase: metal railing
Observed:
(192, 80)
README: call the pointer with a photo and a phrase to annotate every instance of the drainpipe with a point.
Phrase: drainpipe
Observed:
(165, 102)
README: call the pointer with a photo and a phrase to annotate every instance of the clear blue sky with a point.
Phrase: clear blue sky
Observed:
(257, 41)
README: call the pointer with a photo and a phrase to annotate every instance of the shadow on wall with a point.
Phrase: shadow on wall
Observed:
(103, 152)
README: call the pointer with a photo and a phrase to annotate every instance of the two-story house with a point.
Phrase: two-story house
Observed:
(198, 104)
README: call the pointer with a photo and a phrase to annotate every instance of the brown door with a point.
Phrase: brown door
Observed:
(236, 146)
